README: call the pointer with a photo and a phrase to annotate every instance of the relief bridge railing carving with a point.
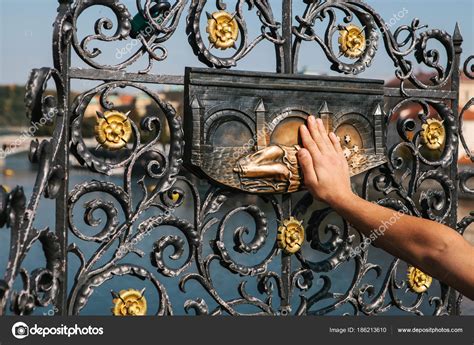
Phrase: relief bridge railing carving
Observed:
(286, 254)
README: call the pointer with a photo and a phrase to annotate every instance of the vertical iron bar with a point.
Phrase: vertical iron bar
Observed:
(285, 304)
(62, 55)
(457, 41)
(287, 27)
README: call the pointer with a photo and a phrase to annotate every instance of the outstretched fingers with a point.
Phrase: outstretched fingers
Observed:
(319, 134)
(335, 142)
(309, 143)
(306, 162)
(324, 134)
(315, 134)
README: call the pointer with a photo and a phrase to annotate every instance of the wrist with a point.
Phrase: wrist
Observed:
(342, 200)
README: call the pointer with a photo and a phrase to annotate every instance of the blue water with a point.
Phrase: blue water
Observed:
(225, 282)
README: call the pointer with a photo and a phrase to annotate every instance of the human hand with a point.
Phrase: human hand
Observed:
(325, 169)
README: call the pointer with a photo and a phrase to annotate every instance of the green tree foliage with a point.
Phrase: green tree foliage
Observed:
(12, 106)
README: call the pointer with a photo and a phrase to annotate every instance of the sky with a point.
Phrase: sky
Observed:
(26, 33)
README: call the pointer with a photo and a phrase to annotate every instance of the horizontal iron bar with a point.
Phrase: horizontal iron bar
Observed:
(325, 88)
(283, 76)
(104, 75)
(417, 93)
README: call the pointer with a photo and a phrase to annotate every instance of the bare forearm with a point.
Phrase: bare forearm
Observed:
(430, 246)
(391, 229)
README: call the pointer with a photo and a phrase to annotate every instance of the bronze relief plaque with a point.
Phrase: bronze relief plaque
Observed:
(241, 128)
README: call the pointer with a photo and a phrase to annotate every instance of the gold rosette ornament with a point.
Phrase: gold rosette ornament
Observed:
(129, 303)
(433, 134)
(352, 41)
(290, 235)
(418, 281)
(113, 129)
(223, 30)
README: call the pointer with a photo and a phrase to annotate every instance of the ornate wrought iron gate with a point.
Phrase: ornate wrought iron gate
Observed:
(323, 277)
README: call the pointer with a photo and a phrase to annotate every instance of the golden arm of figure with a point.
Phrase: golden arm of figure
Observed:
(275, 166)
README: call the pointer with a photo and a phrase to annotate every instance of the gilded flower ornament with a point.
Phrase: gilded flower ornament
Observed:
(418, 281)
(223, 29)
(290, 236)
(129, 303)
(113, 129)
(352, 42)
(433, 134)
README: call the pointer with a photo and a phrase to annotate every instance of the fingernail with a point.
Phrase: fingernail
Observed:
(319, 121)
(311, 118)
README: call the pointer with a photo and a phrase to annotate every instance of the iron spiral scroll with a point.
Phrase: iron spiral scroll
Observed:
(210, 242)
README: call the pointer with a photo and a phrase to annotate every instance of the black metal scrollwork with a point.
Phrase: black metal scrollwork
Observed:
(120, 216)
(149, 39)
(40, 286)
(270, 31)
(371, 24)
